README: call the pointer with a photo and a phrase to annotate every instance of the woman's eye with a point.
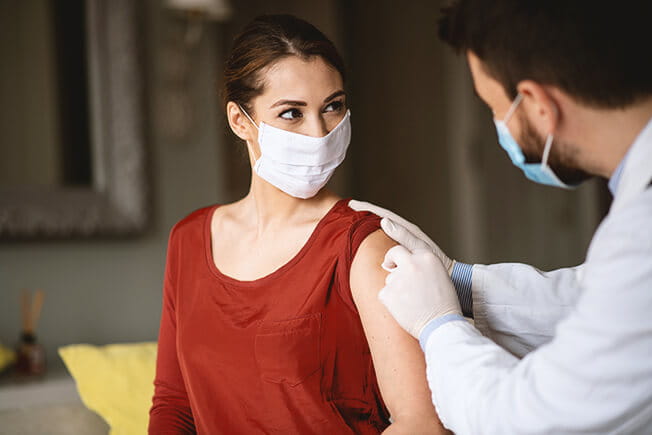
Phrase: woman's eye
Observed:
(334, 106)
(291, 114)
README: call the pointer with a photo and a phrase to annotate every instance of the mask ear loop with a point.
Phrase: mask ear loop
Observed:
(248, 117)
(513, 107)
(548, 145)
(254, 124)
(546, 150)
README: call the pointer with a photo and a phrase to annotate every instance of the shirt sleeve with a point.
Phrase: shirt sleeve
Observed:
(516, 305)
(519, 306)
(462, 277)
(170, 412)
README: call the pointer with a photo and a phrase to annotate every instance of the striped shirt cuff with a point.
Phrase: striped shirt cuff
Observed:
(462, 277)
(434, 324)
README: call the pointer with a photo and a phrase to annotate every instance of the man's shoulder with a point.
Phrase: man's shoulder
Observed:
(628, 227)
(634, 217)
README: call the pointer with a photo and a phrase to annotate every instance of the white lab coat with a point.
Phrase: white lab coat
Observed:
(563, 352)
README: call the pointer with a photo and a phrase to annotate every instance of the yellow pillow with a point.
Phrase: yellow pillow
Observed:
(7, 357)
(116, 381)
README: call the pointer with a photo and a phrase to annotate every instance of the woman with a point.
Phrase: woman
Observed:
(271, 322)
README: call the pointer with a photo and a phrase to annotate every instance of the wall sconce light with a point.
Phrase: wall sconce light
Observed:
(198, 11)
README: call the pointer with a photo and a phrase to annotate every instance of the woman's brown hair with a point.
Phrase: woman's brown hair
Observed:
(264, 41)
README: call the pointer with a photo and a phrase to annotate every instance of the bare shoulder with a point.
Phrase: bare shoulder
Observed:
(366, 271)
(375, 243)
(398, 360)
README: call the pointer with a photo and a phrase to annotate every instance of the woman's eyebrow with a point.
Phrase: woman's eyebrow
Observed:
(333, 95)
(303, 103)
(289, 103)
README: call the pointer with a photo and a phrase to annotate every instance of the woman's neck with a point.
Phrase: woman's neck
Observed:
(267, 207)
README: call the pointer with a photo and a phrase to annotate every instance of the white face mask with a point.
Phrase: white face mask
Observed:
(300, 165)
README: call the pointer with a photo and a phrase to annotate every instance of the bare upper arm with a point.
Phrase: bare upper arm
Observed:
(398, 359)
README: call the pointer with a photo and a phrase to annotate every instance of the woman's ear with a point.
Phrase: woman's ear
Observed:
(541, 106)
(239, 123)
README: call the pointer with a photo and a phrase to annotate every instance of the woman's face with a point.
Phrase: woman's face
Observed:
(301, 96)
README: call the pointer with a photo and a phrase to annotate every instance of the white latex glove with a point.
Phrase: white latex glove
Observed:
(404, 232)
(418, 288)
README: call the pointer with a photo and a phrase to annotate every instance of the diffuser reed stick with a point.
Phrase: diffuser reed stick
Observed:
(35, 314)
(31, 355)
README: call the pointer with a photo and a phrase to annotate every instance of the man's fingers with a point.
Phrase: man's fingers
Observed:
(383, 213)
(387, 214)
(402, 235)
(388, 267)
(395, 257)
(383, 296)
(367, 206)
(410, 234)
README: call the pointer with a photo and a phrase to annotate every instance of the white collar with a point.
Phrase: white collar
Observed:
(637, 173)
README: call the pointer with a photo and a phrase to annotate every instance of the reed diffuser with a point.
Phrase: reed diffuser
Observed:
(30, 355)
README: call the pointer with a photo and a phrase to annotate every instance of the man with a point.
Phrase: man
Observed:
(568, 351)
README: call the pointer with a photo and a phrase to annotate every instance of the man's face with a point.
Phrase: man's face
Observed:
(562, 158)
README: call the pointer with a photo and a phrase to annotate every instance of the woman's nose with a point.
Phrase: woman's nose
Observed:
(318, 127)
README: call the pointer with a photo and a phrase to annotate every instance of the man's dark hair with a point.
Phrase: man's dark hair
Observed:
(598, 52)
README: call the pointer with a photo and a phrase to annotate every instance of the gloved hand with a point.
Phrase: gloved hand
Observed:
(418, 288)
(404, 232)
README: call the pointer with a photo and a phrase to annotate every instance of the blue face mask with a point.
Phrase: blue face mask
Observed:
(538, 172)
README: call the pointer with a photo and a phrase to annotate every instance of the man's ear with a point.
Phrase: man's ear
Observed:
(541, 105)
(239, 123)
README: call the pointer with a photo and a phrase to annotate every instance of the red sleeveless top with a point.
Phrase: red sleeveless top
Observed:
(284, 354)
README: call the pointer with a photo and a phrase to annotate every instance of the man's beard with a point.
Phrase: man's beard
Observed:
(560, 159)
